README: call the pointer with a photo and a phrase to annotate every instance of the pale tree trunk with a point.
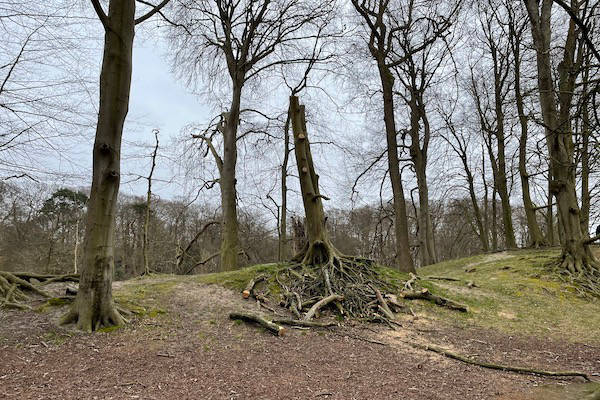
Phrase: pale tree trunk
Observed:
(94, 306)
(577, 257)
(148, 204)
(227, 183)
(404, 260)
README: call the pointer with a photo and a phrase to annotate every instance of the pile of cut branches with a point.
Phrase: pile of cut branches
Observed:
(348, 286)
(15, 286)
(320, 276)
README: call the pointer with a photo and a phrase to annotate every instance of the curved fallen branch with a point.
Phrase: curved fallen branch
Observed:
(321, 303)
(499, 367)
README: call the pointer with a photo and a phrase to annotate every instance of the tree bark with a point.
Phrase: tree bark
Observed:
(227, 183)
(309, 180)
(418, 155)
(283, 241)
(404, 261)
(577, 257)
(94, 306)
(536, 238)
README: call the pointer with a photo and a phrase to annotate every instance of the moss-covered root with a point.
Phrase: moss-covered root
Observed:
(89, 318)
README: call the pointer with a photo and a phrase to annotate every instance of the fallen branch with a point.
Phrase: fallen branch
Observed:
(247, 292)
(483, 364)
(321, 303)
(307, 324)
(270, 326)
(383, 305)
(425, 294)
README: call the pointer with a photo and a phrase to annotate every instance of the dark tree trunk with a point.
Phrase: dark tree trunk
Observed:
(94, 306)
(577, 257)
(227, 182)
(404, 261)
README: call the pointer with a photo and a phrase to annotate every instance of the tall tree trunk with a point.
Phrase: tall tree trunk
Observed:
(283, 245)
(577, 257)
(536, 238)
(227, 183)
(501, 181)
(418, 156)
(316, 233)
(486, 197)
(585, 155)
(94, 306)
(550, 237)
(494, 220)
(481, 226)
(404, 261)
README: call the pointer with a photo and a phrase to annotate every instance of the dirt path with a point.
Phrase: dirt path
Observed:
(194, 352)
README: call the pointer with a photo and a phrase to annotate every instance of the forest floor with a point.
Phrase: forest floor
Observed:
(184, 346)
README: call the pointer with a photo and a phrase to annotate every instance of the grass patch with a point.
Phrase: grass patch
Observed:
(516, 294)
(237, 280)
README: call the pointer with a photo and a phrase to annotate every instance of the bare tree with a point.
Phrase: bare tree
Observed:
(94, 306)
(248, 39)
(383, 26)
(577, 258)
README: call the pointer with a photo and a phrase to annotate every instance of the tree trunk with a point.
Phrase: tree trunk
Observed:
(319, 247)
(283, 245)
(483, 234)
(585, 155)
(404, 260)
(577, 257)
(536, 238)
(418, 155)
(227, 183)
(494, 220)
(94, 306)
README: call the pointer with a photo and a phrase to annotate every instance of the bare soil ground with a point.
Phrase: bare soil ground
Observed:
(194, 351)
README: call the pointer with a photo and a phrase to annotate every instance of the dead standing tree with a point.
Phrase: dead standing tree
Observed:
(320, 275)
(94, 306)
(325, 272)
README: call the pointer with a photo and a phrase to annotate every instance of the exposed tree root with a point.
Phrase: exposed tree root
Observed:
(321, 278)
(508, 368)
(89, 319)
(14, 285)
(583, 273)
